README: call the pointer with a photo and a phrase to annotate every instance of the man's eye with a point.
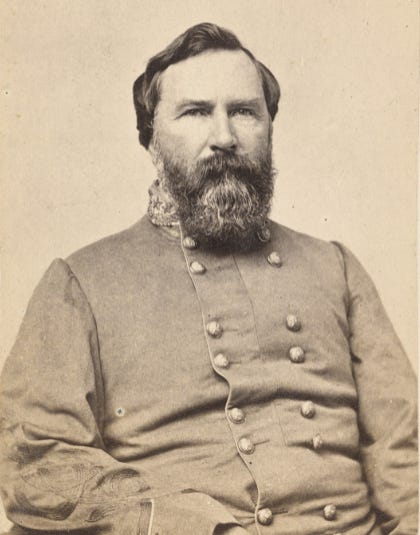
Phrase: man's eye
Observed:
(196, 112)
(243, 111)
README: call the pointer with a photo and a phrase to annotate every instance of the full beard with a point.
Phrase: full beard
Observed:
(222, 201)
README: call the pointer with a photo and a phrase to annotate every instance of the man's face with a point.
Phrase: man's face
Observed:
(212, 145)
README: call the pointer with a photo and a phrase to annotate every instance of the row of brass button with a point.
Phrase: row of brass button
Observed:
(265, 515)
(296, 355)
(264, 235)
(215, 330)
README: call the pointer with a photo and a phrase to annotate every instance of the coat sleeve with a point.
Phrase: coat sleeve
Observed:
(387, 404)
(56, 475)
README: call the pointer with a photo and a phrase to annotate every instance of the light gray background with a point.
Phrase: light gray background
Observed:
(345, 137)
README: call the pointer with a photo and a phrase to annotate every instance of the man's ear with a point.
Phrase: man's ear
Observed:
(151, 149)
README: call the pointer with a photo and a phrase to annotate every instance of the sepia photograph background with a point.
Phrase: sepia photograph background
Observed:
(345, 138)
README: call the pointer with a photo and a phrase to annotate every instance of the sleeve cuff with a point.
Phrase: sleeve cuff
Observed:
(181, 513)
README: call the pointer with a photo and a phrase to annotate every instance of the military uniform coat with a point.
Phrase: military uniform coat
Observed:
(159, 388)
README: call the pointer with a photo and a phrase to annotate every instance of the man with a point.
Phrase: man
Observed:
(208, 371)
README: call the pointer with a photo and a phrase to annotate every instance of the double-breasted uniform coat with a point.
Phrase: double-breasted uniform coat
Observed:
(159, 388)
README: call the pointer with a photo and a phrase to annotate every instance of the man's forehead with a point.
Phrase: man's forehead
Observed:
(229, 74)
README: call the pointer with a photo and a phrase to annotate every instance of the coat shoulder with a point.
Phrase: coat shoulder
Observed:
(295, 242)
(113, 250)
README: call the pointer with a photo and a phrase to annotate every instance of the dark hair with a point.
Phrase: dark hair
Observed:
(197, 39)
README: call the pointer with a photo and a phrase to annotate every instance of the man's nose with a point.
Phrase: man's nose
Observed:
(223, 136)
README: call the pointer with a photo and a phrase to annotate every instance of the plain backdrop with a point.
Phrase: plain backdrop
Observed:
(345, 137)
(345, 140)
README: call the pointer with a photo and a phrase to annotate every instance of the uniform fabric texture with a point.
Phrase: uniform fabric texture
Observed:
(154, 383)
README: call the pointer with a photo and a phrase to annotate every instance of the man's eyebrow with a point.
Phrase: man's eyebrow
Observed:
(246, 102)
(253, 102)
(193, 102)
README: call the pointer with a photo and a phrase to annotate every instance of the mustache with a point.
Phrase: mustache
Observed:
(218, 168)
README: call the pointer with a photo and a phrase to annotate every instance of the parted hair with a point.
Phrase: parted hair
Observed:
(194, 41)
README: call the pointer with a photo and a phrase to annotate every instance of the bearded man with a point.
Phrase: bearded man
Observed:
(208, 371)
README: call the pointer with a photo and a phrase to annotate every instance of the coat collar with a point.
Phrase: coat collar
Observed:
(162, 209)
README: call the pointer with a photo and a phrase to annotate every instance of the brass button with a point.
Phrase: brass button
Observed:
(317, 442)
(214, 329)
(293, 322)
(308, 409)
(265, 516)
(296, 354)
(189, 243)
(197, 268)
(246, 446)
(330, 512)
(237, 415)
(221, 361)
(274, 259)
